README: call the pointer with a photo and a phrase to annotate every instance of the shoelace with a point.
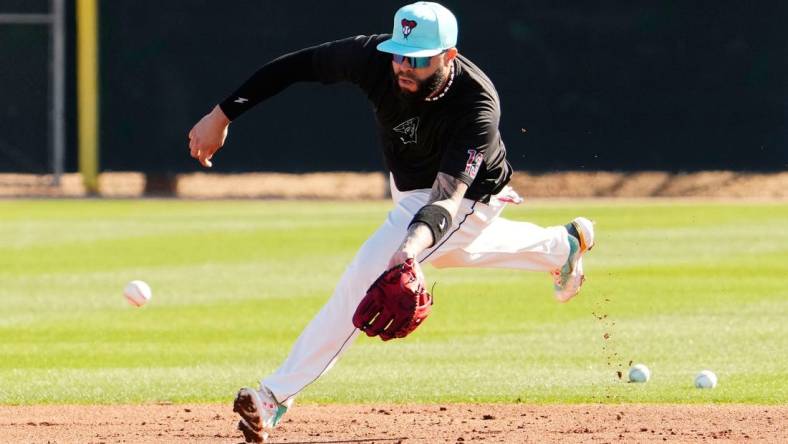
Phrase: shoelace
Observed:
(556, 277)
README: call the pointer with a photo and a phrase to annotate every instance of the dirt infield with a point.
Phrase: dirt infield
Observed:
(404, 424)
(345, 185)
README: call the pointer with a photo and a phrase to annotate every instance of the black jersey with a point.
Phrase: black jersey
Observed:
(456, 134)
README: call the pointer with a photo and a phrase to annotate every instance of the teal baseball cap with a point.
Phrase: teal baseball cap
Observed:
(421, 29)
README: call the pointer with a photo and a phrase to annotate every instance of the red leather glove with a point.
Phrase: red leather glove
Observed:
(395, 304)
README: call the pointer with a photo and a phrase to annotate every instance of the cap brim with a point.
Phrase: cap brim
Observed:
(392, 47)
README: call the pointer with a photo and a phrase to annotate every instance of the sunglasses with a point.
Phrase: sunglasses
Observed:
(415, 62)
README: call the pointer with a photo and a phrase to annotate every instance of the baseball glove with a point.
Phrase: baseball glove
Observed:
(395, 304)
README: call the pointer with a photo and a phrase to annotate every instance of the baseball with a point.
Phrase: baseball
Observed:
(639, 373)
(706, 380)
(138, 293)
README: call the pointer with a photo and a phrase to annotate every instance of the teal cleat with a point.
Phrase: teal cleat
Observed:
(568, 279)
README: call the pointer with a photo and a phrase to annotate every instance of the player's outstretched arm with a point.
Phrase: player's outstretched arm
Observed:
(432, 222)
(207, 136)
(347, 59)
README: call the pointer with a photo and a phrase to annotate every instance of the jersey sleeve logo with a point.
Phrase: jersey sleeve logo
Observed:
(475, 160)
(407, 130)
(407, 27)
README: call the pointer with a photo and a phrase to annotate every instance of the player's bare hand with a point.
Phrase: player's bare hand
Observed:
(399, 258)
(208, 135)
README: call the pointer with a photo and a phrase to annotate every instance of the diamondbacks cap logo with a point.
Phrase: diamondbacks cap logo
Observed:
(475, 159)
(407, 130)
(407, 27)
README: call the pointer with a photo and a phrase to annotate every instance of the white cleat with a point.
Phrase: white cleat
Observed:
(568, 279)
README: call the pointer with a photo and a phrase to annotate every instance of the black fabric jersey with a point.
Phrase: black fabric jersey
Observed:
(456, 134)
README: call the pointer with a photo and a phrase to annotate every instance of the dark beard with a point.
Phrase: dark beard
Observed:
(426, 87)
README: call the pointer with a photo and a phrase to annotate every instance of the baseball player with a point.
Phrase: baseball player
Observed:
(437, 116)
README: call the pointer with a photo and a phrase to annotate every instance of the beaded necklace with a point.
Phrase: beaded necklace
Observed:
(445, 89)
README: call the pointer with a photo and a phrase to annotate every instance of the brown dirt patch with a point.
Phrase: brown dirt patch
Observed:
(347, 185)
(405, 424)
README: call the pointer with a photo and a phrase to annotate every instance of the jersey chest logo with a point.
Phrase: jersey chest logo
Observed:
(407, 130)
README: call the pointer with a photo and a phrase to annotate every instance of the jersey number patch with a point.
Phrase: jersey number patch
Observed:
(475, 159)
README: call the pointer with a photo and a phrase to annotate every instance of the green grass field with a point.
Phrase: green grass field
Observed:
(686, 286)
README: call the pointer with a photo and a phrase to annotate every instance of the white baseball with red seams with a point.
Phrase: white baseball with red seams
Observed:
(137, 293)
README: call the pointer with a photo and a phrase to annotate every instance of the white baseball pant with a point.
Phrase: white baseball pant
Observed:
(479, 237)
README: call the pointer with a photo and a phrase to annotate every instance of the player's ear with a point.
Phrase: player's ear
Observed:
(449, 55)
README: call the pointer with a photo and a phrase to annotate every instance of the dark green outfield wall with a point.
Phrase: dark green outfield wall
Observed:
(623, 85)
